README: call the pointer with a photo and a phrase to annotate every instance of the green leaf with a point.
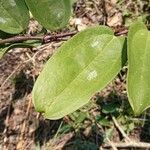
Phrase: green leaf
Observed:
(136, 26)
(110, 108)
(52, 14)
(103, 121)
(5, 48)
(2, 51)
(138, 80)
(14, 16)
(83, 65)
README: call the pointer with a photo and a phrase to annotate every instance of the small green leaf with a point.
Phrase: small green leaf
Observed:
(2, 51)
(14, 16)
(103, 121)
(52, 14)
(83, 65)
(30, 44)
(138, 80)
(110, 108)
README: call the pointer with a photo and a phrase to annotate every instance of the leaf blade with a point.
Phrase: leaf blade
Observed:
(53, 14)
(138, 71)
(5, 48)
(14, 16)
(73, 68)
(136, 26)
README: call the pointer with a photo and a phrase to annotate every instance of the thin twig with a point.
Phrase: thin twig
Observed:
(124, 32)
(127, 139)
(108, 140)
(20, 39)
(24, 125)
(2, 85)
(111, 144)
(7, 117)
(43, 39)
(16, 69)
(129, 145)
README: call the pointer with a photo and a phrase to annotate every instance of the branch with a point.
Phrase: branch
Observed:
(43, 39)
(124, 32)
(47, 38)
(129, 145)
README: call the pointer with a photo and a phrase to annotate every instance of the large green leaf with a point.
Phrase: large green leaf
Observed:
(52, 14)
(138, 81)
(83, 65)
(14, 16)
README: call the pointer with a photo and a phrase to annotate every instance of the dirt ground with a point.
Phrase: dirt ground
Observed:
(21, 127)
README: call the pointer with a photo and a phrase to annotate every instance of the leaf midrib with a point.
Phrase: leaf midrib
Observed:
(55, 114)
(82, 70)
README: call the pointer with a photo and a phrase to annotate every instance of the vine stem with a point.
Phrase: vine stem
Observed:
(44, 39)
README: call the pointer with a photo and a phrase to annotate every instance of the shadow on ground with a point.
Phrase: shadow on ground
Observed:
(23, 85)
(46, 131)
